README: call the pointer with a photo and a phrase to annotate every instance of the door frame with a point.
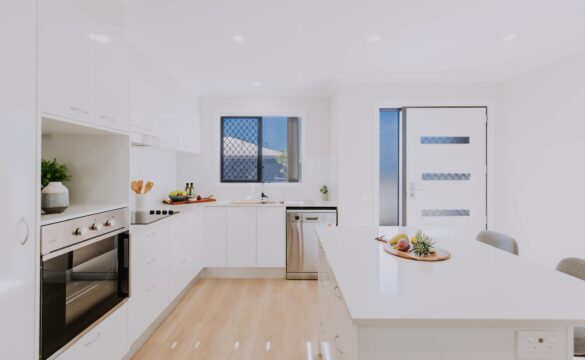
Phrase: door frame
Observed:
(490, 148)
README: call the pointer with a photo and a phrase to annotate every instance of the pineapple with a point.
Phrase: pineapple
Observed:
(422, 244)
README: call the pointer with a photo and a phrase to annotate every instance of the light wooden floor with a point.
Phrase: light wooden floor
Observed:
(240, 319)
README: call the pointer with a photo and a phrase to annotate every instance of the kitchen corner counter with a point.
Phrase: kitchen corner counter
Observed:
(230, 203)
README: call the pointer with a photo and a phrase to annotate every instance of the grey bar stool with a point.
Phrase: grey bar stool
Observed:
(501, 241)
(575, 267)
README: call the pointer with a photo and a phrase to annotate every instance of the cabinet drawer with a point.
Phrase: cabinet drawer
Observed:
(180, 226)
(149, 292)
(106, 341)
(146, 239)
(181, 266)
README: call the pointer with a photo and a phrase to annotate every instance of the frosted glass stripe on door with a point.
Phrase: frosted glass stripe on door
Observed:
(446, 176)
(444, 140)
(445, 212)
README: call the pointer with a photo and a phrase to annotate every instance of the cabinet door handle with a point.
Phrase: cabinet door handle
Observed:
(183, 261)
(336, 343)
(94, 339)
(79, 110)
(337, 292)
(322, 327)
(151, 288)
(151, 261)
(107, 118)
(151, 234)
(23, 231)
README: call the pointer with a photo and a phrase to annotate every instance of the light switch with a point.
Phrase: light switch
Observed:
(538, 345)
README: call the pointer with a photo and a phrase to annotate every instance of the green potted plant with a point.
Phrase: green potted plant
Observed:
(54, 196)
(324, 193)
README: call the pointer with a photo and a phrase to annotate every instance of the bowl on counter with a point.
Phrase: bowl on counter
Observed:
(178, 198)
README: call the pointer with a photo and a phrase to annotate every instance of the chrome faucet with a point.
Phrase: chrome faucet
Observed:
(263, 197)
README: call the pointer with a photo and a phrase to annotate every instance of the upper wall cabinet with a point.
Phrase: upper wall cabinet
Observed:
(83, 62)
(162, 106)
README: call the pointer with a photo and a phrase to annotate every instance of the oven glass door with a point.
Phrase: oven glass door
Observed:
(79, 287)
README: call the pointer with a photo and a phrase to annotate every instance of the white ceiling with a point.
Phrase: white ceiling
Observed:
(308, 45)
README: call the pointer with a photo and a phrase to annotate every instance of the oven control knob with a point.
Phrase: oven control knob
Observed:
(111, 222)
(80, 231)
(96, 226)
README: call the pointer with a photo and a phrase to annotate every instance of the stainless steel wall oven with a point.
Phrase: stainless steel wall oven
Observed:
(84, 276)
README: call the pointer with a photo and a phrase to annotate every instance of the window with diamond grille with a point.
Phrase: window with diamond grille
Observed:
(259, 149)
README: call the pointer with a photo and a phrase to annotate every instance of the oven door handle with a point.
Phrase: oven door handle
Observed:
(79, 245)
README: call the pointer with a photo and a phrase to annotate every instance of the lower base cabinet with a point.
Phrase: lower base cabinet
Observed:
(108, 340)
(337, 334)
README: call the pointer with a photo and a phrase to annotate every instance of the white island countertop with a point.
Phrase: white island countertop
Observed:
(479, 285)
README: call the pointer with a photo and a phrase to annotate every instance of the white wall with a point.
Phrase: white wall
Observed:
(204, 169)
(540, 161)
(157, 165)
(355, 128)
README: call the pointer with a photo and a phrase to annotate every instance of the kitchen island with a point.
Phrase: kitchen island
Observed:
(482, 304)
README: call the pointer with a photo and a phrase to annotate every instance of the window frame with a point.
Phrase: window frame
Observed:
(259, 173)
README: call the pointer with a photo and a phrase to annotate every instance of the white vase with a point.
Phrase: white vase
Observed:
(54, 198)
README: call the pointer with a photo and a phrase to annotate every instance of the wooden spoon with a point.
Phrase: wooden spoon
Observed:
(134, 186)
(148, 186)
(140, 184)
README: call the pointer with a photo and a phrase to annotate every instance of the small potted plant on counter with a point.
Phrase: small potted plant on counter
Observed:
(324, 193)
(54, 196)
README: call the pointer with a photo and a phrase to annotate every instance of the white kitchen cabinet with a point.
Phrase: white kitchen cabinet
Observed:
(271, 237)
(18, 147)
(181, 255)
(213, 251)
(107, 340)
(196, 228)
(149, 277)
(241, 237)
(66, 59)
(112, 73)
(84, 68)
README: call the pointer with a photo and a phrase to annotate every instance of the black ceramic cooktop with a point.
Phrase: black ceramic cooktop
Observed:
(148, 217)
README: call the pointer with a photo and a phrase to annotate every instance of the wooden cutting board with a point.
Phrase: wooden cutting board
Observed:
(439, 255)
(193, 201)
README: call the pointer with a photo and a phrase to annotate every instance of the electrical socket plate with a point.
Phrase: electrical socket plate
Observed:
(538, 345)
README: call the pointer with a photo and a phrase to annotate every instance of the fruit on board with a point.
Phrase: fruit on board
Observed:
(397, 238)
(178, 193)
(424, 245)
(403, 245)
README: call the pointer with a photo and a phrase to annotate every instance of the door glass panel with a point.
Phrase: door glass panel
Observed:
(389, 166)
(446, 212)
(444, 140)
(446, 176)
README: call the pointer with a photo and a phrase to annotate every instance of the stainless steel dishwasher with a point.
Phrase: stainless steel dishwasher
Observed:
(302, 245)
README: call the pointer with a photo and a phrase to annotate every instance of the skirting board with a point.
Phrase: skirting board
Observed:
(244, 273)
(133, 349)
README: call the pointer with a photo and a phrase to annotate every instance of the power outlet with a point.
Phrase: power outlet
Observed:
(538, 345)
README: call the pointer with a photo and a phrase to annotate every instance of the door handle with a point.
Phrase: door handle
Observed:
(23, 231)
(412, 189)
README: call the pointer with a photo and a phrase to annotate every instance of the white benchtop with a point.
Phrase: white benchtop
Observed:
(230, 203)
(479, 285)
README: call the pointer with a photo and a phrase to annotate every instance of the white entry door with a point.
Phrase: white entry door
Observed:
(445, 184)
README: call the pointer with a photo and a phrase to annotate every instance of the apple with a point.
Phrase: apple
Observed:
(403, 245)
